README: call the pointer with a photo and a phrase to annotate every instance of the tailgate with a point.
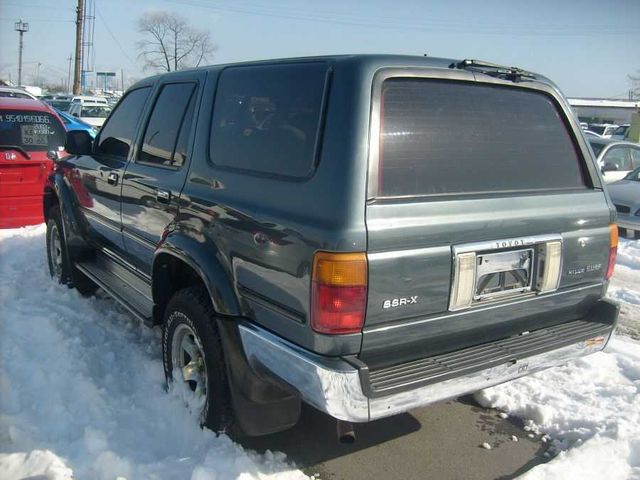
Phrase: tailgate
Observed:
(481, 231)
(414, 260)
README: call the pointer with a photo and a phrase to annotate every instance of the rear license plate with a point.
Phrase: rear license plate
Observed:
(503, 273)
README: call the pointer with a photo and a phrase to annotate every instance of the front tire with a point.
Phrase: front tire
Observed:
(192, 350)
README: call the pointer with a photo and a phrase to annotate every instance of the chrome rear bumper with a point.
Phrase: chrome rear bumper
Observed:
(340, 389)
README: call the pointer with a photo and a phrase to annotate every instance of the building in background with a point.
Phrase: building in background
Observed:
(598, 110)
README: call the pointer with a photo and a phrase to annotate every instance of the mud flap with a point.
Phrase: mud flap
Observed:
(261, 406)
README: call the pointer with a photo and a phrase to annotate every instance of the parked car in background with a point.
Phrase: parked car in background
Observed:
(592, 134)
(89, 99)
(615, 158)
(621, 132)
(92, 113)
(319, 230)
(73, 123)
(603, 129)
(59, 102)
(112, 100)
(29, 129)
(16, 92)
(625, 195)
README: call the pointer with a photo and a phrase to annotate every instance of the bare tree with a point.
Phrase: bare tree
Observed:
(635, 84)
(170, 43)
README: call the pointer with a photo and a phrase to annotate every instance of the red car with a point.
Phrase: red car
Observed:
(28, 130)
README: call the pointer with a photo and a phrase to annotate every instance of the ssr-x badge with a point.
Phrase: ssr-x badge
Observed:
(400, 302)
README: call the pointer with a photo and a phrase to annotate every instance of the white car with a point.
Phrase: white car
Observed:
(621, 132)
(89, 99)
(16, 92)
(603, 129)
(90, 112)
(615, 158)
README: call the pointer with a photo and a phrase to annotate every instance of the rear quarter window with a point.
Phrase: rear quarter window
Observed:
(444, 137)
(266, 118)
(31, 130)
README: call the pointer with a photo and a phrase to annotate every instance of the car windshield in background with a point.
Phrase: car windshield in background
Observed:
(31, 130)
(13, 94)
(634, 176)
(597, 147)
(506, 139)
(98, 111)
(597, 129)
(60, 104)
(621, 130)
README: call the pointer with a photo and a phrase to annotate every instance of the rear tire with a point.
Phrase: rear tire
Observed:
(191, 346)
(57, 256)
(60, 265)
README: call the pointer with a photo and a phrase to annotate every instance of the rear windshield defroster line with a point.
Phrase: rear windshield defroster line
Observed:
(443, 137)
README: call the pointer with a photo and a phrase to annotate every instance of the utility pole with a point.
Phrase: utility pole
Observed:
(122, 80)
(21, 27)
(37, 80)
(70, 59)
(78, 63)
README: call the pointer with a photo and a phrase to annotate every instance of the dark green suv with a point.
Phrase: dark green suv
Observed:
(367, 234)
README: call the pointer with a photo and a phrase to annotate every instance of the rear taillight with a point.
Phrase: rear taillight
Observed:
(613, 249)
(338, 292)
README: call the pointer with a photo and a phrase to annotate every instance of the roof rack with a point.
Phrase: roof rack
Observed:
(514, 74)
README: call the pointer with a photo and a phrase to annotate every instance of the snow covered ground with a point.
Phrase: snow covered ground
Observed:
(588, 411)
(81, 392)
(81, 389)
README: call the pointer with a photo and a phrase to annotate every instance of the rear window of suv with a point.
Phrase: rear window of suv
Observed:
(31, 130)
(444, 137)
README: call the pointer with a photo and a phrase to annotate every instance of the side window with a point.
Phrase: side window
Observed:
(635, 158)
(167, 132)
(266, 118)
(618, 157)
(116, 136)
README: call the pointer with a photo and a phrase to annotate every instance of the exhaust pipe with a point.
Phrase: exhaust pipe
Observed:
(346, 434)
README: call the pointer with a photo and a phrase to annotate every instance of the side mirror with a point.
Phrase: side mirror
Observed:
(78, 142)
(75, 114)
(610, 167)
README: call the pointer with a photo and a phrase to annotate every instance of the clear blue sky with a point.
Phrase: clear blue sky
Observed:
(588, 47)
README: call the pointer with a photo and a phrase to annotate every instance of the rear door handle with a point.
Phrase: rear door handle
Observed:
(163, 196)
(112, 179)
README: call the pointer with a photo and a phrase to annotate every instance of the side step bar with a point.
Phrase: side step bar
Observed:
(133, 292)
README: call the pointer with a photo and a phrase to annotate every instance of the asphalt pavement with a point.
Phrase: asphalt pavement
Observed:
(441, 441)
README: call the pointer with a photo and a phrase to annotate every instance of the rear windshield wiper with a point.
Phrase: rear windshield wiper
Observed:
(16, 147)
(508, 73)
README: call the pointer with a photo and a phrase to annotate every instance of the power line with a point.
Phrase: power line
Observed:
(39, 7)
(49, 20)
(104, 22)
(424, 25)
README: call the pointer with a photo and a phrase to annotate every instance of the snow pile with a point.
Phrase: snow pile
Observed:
(589, 408)
(82, 391)
(625, 287)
